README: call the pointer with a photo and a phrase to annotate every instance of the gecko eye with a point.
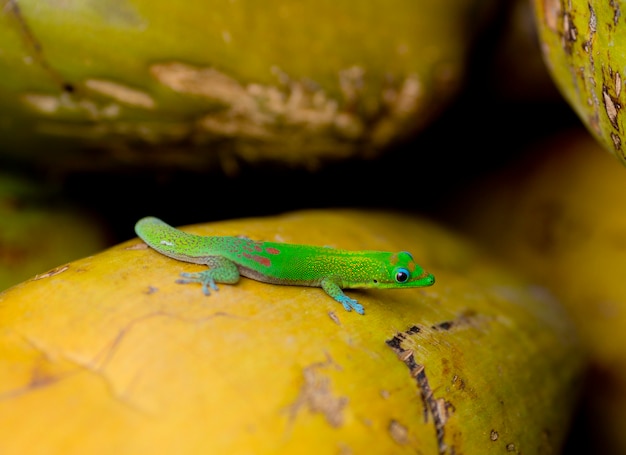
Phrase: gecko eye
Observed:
(402, 275)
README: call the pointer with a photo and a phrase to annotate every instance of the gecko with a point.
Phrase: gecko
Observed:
(229, 257)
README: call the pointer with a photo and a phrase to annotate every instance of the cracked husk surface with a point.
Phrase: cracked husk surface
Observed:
(188, 85)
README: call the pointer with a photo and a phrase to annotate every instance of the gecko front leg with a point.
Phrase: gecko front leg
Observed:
(332, 288)
(221, 270)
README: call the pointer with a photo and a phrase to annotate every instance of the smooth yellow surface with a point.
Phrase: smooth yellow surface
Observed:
(112, 356)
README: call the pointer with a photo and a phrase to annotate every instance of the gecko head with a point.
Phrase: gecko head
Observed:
(402, 271)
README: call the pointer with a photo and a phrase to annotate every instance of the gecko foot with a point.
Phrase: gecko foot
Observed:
(204, 278)
(350, 304)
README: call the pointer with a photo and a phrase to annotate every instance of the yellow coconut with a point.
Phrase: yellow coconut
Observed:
(584, 45)
(559, 217)
(199, 84)
(109, 354)
(38, 231)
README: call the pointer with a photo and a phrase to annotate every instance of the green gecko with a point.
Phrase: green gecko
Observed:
(283, 263)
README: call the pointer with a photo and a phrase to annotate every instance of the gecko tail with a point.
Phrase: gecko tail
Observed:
(171, 242)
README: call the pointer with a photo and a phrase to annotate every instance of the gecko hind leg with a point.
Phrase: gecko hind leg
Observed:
(204, 278)
(221, 270)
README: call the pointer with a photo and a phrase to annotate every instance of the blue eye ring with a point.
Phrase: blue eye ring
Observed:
(402, 275)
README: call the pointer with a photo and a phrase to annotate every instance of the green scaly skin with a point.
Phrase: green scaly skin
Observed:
(283, 263)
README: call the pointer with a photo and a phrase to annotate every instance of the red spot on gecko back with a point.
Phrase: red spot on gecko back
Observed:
(272, 250)
(393, 260)
(260, 259)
